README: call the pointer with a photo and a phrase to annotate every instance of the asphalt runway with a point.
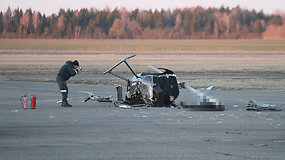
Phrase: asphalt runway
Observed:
(94, 130)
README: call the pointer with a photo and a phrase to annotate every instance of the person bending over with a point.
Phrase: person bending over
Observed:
(68, 70)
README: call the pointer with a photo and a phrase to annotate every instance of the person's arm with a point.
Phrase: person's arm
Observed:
(71, 71)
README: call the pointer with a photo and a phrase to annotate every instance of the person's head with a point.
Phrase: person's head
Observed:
(75, 64)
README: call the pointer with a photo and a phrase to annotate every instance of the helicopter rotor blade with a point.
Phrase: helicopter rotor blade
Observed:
(155, 69)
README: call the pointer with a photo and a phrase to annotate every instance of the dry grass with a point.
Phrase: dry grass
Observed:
(23, 59)
(140, 46)
(179, 63)
(223, 71)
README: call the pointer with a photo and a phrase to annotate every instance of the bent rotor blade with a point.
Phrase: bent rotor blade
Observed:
(90, 93)
(155, 69)
(197, 92)
(116, 65)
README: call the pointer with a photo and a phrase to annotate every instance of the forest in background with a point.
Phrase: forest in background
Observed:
(186, 23)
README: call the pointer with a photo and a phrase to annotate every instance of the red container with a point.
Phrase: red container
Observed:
(33, 101)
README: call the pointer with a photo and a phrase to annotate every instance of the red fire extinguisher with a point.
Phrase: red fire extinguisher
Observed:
(33, 101)
(24, 101)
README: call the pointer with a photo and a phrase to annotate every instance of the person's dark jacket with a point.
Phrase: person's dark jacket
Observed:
(66, 71)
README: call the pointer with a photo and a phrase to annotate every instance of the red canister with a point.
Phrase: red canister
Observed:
(33, 101)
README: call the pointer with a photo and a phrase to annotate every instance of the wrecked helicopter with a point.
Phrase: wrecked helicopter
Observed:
(155, 90)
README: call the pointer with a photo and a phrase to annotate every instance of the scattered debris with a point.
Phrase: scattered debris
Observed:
(209, 140)
(279, 140)
(253, 105)
(98, 98)
(237, 133)
(123, 106)
(51, 116)
(261, 145)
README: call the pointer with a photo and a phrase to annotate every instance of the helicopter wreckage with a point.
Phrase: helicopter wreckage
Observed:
(155, 90)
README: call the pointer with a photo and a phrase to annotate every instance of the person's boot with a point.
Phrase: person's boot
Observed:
(65, 103)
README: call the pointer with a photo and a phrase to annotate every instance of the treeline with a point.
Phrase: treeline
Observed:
(195, 22)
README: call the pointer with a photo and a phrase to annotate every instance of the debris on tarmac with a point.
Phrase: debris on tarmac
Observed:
(123, 106)
(51, 116)
(253, 105)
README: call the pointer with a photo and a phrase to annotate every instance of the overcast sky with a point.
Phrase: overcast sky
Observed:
(52, 6)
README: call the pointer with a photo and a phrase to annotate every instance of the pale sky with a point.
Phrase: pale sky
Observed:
(52, 6)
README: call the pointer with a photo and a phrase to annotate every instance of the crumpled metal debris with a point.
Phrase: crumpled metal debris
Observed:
(123, 106)
(253, 105)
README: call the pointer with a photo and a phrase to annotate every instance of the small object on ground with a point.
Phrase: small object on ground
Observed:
(51, 116)
(98, 98)
(123, 106)
(210, 88)
(253, 105)
(119, 104)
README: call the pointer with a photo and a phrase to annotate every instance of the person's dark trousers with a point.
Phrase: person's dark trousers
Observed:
(63, 90)
(62, 87)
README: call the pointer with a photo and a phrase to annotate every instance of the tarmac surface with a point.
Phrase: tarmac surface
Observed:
(94, 130)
